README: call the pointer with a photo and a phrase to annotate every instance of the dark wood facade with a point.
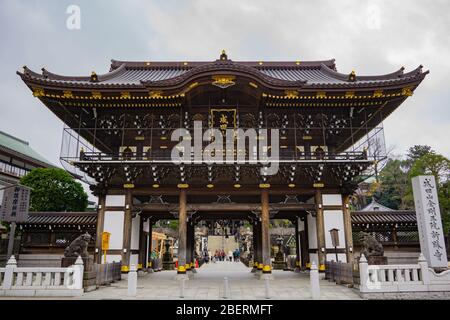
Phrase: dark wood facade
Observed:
(120, 126)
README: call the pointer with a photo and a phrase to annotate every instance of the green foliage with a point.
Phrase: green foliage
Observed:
(438, 166)
(395, 190)
(393, 184)
(54, 190)
(172, 224)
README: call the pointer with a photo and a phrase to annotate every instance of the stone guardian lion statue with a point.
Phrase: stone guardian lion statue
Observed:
(370, 246)
(78, 247)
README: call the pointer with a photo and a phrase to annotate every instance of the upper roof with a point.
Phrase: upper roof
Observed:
(21, 148)
(283, 73)
(375, 206)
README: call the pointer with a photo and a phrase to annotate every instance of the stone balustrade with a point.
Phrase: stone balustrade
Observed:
(402, 280)
(41, 281)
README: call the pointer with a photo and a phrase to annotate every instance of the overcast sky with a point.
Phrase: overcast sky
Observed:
(370, 37)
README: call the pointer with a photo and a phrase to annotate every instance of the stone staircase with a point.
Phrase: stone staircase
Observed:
(220, 242)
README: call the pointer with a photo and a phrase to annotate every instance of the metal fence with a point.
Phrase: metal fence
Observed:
(339, 272)
(108, 272)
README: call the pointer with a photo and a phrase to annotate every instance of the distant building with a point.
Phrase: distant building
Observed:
(17, 158)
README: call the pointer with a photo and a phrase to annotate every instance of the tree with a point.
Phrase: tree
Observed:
(394, 183)
(418, 151)
(438, 166)
(54, 190)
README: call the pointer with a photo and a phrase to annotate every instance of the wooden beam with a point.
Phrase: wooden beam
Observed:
(226, 207)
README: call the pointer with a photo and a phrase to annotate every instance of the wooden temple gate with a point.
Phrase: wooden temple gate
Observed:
(123, 128)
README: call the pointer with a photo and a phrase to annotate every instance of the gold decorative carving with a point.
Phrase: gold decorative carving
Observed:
(378, 93)
(38, 92)
(224, 81)
(67, 94)
(155, 94)
(125, 95)
(321, 94)
(96, 94)
(291, 93)
(407, 91)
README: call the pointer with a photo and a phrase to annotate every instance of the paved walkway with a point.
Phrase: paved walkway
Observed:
(208, 283)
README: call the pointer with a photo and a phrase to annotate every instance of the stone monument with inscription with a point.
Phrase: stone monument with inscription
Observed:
(429, 224)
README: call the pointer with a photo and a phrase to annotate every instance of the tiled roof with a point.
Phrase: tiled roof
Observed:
(375, 206)
(62, 218)
(394, 216)
(12, 144)
(309, 73)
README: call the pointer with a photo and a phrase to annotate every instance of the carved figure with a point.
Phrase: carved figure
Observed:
(78, 247)
(369, 245)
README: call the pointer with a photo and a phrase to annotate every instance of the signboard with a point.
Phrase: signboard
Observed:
(429, 223)
(105, 240)
(223, 118)
(15, 204)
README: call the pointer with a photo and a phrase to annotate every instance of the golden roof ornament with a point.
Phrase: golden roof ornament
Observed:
(223, 55)
(94, 77)
(352, 76)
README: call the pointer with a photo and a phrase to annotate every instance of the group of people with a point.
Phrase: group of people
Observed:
(220, 255)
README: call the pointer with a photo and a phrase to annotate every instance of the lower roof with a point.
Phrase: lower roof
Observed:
(21, 149)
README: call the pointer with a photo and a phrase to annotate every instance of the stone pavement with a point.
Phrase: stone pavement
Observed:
(208, 283)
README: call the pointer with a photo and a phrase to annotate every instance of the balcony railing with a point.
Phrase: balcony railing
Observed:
(12, 170)
(165, 156)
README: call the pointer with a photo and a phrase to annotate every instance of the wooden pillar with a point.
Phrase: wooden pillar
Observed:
(150, 243)
(347, 228)
(297, 244)
(258, 245)
(394, 237)
(142, 244)
(265, 243)
(182, 229)
(320, 227)
(304, 239)
(100, 223)
(189, 246)
(254, 245)
(126, 249)
(193, 247)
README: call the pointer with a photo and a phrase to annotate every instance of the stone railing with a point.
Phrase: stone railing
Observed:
(40, 281)
(394, 280)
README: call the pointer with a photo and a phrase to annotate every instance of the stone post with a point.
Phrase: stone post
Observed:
(11, 265)
(424, 269)
(363, 273)
(78, 273)
(132, 281)
(314, 281)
